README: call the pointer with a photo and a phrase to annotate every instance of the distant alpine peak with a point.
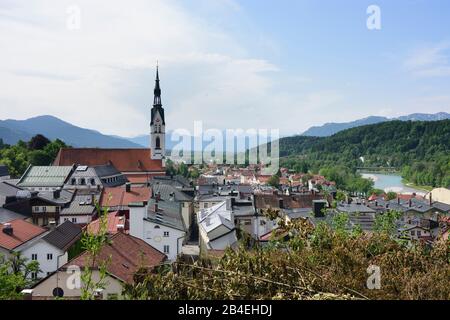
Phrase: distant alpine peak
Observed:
(329, 129)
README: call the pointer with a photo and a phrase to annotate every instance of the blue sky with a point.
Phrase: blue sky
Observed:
(232, 64)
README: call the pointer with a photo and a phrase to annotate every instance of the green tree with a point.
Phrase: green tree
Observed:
(391, 195)
(38, 142)
(93, 243)
(15, 275)
(387, 222)
(194, 173)
(274, 181)
(170, 168)
(39, 158)
(183, 170)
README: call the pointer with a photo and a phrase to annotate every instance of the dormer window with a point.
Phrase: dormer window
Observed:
(83, 181)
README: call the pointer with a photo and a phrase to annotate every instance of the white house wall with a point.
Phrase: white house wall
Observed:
(80, 219)
(223, 242)
(155, 237)
(65, 281)
(42, 248)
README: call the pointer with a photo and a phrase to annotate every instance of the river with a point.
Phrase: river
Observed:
(390, 182)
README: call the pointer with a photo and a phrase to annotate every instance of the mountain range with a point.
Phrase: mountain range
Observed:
(329, 129)
(11, 131)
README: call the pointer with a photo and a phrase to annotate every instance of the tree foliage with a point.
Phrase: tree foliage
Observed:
(15, 274)
(37, 152)
(93, 243)
(420, 149)
(311, 263)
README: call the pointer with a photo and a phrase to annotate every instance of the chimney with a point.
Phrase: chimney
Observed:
(281, 203)
(57, 193)
(8, 229)
(128, 187)
(27, 294)
(318, 206)
(431, 199)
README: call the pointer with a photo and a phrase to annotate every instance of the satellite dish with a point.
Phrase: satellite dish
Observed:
(58, 292)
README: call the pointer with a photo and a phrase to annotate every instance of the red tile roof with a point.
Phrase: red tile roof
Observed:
(22, 232)
(114, 219)
(127, 255)
(373, 197)
(115, 197)
(125, 160)
(409, 196)
(139, 178)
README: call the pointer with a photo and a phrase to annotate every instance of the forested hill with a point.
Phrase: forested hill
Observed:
(388, 144)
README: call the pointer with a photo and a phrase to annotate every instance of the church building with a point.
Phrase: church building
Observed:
(139, 165)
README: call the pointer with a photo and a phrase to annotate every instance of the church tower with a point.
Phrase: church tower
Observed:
(157, 124)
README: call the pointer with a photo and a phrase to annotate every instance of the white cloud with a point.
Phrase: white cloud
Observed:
(101, 76)
(431, 61)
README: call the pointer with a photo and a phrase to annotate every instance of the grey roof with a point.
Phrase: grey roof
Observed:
(169, 214)
(7, 215)
(7, 190)
(298, 213)
(87, 174)
(366, 221)
(106, 170)
(383, 205)
(212, 198)
(64, 235)
(106, 175)
(176, 181)
(4, 171)
(45, 176)
(354, 208)
(166, 191)
(418, 205)
(441, 206)
(219, 214)
(222, 189)
(109, 171)
(64, 198)
(243, 209)
(81, 204)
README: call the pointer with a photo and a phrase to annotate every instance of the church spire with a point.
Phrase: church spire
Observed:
(157, 124)
(157, 91)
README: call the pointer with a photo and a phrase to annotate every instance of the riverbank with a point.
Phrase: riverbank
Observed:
(393, 182)
(415, 186)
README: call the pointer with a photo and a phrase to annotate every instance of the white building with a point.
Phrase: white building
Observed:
(216, 227)
(47, 247)
(127, 255)
(160, 224)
